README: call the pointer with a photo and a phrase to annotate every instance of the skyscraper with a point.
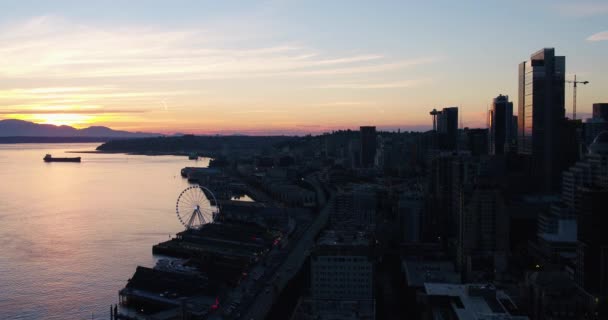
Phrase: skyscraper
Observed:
(541, 113)
(592, 264)
(447, 127)
(483, 232)
(368, 146)
(501, 119)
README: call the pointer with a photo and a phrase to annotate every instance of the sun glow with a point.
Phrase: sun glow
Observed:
(59, 119)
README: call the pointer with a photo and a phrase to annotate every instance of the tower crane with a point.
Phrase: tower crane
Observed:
(575, 82)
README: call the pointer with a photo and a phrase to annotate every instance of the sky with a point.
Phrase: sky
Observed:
(284, 67)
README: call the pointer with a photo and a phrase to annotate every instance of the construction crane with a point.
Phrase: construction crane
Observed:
(574, 95)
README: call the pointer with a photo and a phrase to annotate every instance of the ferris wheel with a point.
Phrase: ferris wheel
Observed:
(196, 206)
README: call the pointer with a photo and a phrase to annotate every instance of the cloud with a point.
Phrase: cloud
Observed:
(382, 85)
(600, 36)
(582, 9)
(258, 111)
(52, 47)
(339, 104)
(50, 62)
(69, 111)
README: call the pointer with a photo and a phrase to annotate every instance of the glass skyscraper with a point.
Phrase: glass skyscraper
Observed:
(541, 113)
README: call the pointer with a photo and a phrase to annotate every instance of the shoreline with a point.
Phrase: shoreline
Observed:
(184, 154)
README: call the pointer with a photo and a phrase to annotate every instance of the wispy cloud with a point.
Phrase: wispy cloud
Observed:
(382, 85)
(258, 111)
(51, 110)
(582, 8)
(339, 104)
(52, 65)
(53, 47)
(600, 36)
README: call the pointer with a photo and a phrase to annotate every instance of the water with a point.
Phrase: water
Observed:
(71, 234)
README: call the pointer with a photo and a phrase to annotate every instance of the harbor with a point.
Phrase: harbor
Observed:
(231, 267)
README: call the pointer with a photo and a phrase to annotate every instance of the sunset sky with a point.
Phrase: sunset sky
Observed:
(283, 66)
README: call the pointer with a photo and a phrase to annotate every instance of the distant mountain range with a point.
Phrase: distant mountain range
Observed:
(20, 128)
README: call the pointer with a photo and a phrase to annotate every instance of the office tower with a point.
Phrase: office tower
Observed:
(591, 171)
(500, 123)
(586, 190)
(483, 238)
(342, 275)
(592, 253)
(541, 114)
(368, 146)
(450, 175)
(600, 111)
(355, 207)
(447, 128)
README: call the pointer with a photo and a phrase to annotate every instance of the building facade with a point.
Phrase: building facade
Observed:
(447, 128)
(368, 146)
(500, 122)
(541, 112)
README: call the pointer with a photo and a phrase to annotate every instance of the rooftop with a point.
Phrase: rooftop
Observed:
(471, 301)
(419, 272)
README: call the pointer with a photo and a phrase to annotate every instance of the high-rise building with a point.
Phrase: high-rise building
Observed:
(368, 146)
(483, 238)
(586, 184)
(541, 113)
(449, 173)
(592, 253)
(341, 274)
(501, 125)
(447, 128)
(355, 207)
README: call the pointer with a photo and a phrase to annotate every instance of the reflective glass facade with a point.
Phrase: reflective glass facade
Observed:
(542, 112)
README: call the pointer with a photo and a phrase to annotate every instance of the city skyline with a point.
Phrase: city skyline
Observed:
(283, 67)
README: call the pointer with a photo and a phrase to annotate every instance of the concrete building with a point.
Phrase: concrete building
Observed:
(342, 267)
(342, 276)
(541, 114)
(355, 207)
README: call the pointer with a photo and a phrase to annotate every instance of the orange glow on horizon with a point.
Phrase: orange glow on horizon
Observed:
(59, 119)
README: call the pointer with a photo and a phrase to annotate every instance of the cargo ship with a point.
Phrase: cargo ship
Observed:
(49, 158)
